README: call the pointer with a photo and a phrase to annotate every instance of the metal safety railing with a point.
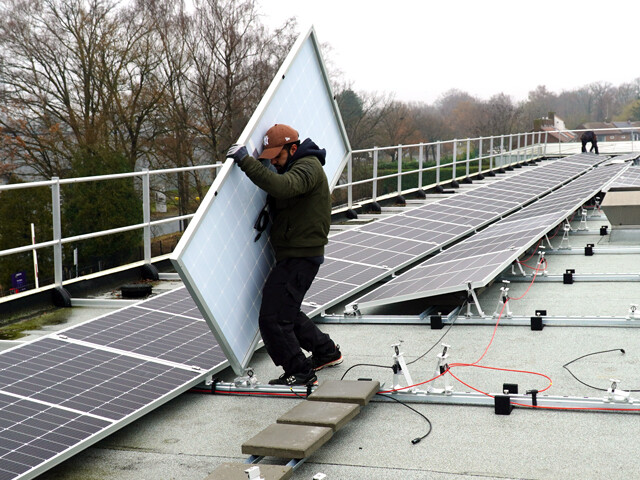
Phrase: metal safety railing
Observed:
(369, 175)
(423, 166)
(58, 240)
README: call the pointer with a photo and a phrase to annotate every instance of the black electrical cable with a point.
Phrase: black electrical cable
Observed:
(363, 365)
(440, 339)
(417, 439)
(412, 361)
(588, 355)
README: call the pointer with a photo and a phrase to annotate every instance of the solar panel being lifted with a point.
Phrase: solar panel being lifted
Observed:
(432, 227)
(218, 258)
(479, 259)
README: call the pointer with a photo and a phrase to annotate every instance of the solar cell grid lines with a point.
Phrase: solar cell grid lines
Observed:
(89, 380)
(437, 225)
(32, 433)
(629, 179)
(86, 379)
(478, 259)
(157, 334)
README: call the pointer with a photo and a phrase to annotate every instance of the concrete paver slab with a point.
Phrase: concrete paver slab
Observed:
(236, 471)
(287, 441)
(346, 391)
(322, 414)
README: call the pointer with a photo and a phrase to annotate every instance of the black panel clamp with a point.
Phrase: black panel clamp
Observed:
(588, 250)
(536, 324)
(503, 405)
(603, 230)
(510, 388)
(567, 277)
(436, 322)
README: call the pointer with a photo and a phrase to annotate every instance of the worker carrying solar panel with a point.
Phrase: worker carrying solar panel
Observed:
(300, 208)
(587, 137)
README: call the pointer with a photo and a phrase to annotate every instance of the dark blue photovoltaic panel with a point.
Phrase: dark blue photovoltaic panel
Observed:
(478, 259)
(154, 333)
(177, 301)
(439, 224)
(32, 433)
(87, 379)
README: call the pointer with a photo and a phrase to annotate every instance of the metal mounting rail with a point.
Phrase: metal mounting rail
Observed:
(519, 400)
(614, 402)
(511, 321)
(596, 250)
(577, 277)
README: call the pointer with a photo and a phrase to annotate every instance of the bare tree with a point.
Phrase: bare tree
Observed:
(234, 59)
(501, 115)
(78, 76)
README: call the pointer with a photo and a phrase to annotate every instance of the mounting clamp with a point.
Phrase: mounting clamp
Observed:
(253, 473)
(352, 310)
(246, 380)
(614, 395)
(567, 277)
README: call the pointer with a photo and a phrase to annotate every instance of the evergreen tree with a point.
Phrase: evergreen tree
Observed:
(18, 210)
(102, 205)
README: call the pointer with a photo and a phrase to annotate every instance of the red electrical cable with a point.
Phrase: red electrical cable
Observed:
(532, 254)
(535, 274)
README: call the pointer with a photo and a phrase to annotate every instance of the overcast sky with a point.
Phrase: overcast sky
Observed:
(418, 50)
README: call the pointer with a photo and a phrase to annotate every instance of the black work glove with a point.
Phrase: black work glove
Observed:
(237, 152)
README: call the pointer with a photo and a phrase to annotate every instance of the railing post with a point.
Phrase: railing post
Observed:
(146, 215)
(399, 169)
(518, 150)
(438, 163)
(501, 150)
(468, 155)
(57, 231)
(420, 164)
(546, 140)
(510, 148)
(490, 154)
(455, 157)
(374, 194)
(350, 181)
(480, 156)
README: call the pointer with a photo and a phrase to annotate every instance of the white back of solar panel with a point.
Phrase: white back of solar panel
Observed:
(217, 257)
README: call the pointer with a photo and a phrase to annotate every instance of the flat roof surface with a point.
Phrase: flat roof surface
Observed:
(191, 435)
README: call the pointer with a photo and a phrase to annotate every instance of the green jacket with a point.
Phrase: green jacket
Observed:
(301, 206)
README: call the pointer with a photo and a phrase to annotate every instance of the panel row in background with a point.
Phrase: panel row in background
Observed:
(358, 258)
(65, 391)
(476, 261)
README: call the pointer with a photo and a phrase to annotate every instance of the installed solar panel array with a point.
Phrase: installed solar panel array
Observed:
(479, 259)
(61, 393)
(358, 258)
(628, 180)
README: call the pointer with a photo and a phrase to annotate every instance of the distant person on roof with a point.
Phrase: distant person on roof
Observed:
(587, 137)
(300, 207)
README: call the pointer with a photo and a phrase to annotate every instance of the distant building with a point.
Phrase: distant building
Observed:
(614, 131)
(554, 127)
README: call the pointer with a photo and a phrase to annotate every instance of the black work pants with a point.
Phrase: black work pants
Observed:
(594, 146)
(284, 328)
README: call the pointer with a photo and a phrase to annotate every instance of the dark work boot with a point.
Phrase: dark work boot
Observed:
(327, 360)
